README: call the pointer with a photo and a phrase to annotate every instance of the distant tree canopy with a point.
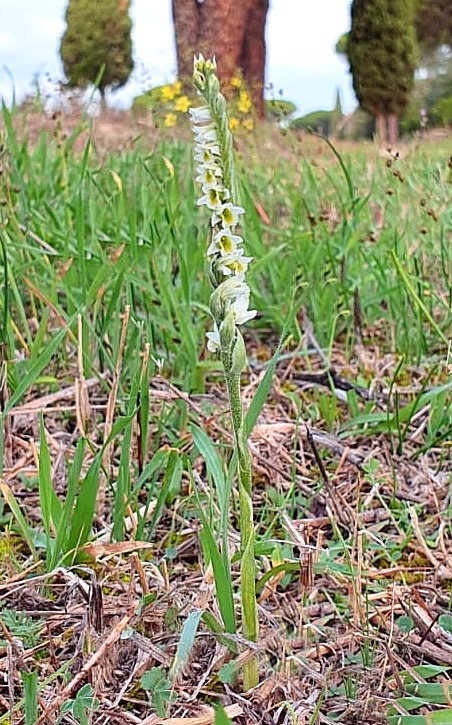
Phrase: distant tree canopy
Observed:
(97, 40)
(381, 49)
(433, 21)
(233, 31)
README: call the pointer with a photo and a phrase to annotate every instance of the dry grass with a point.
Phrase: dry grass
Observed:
(368, 540)
(330, 629)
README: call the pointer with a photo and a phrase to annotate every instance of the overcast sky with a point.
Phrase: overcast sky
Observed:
(301, 36)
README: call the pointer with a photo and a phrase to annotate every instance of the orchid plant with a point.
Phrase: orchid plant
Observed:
(229, 306)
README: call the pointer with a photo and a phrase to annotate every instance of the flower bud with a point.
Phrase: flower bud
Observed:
(213, 86)
(219, 105)
(238, 358)
(228, 332)
(199, 80)
(217, 306)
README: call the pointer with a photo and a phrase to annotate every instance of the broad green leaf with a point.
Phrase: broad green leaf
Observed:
(441, 717)
(435, 693)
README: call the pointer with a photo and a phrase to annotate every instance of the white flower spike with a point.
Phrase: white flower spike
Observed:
(214, 168)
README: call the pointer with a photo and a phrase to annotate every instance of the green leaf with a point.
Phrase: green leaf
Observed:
(36, 368)
(158, 686)
(30, 686)
(222, 578)
(214, 466)
(73, 482)
(415, 297)
(443, 717)
(22, 525)
(405, 623)
(261, 393)
(424, 672)
(432, 692)
(445, 621)
(220, 716)
(83, 516)
(171, 480)
(51, 508)
(227, 673)
(185, 644)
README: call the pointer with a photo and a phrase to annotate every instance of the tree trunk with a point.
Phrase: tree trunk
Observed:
(232, 31)
(187, 23)
(380, 128)
(393, 130)
(253, 53)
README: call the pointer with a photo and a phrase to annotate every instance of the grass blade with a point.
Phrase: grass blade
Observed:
(22, 525)
(185, 644)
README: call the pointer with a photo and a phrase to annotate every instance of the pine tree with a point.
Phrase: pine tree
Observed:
(382, 54)
(96, 46)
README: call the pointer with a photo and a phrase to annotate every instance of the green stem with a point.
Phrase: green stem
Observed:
(246, 526)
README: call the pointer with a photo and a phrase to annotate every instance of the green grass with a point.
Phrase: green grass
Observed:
(104, 275)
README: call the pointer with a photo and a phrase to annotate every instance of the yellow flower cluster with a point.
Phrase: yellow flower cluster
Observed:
(169, 104)
(173, 103)
(241, 107)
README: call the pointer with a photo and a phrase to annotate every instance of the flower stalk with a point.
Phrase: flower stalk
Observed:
(229, 305)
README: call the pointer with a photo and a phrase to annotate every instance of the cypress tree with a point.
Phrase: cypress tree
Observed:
(382, 54)
(96, 45)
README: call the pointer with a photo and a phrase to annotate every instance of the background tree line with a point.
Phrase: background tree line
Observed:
(388, 40)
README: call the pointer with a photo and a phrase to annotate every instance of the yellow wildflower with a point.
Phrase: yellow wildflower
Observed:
(169, 120)
(248, 124)
(244, 104)
(236, 82)
(182, 104)
(233, 124)
(167, 93)
(177, 85)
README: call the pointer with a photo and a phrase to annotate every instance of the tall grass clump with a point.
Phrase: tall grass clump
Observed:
(229, 304)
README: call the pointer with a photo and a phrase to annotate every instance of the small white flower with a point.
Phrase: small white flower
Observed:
(224, 242)
(208, 154)
(241, 312)
(203, 172)
(208, 176)
(200, 115)
(232, 289)
(234, 294)
(228, 215)
(235, 264)
(205, 135)
(213, 198)
(213, 339)
(213, 165)
(218, 186)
